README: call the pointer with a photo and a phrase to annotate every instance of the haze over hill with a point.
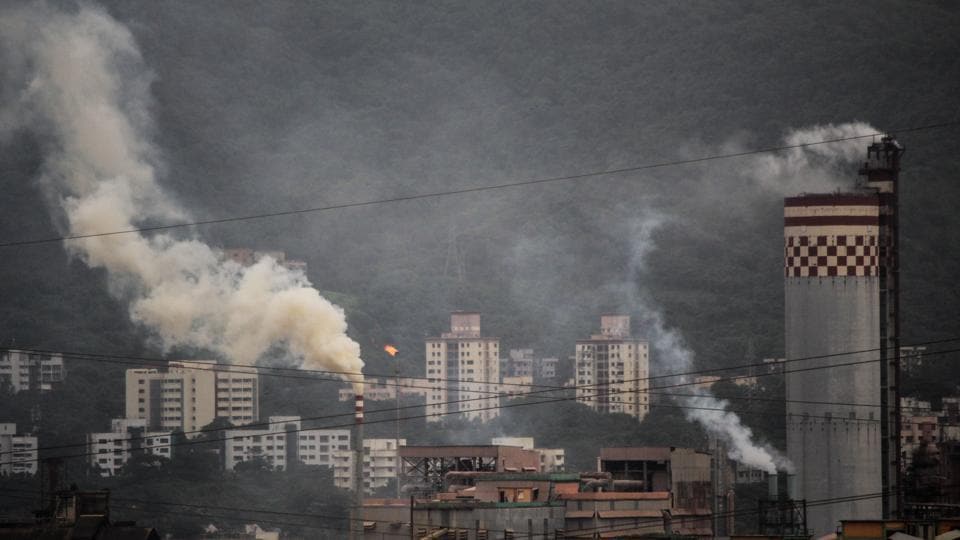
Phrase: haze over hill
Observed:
(308, 105)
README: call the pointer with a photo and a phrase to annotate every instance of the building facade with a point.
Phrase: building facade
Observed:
(840, 297)
(386, 389)
(188, 395)
(18, 452)
(24, 370)
(110, 451)
(463, 371)
(283, 443)
(612, 369)
(552, 460)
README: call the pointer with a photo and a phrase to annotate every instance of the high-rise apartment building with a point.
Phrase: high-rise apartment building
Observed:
(612, 369)
(283, 443)
(463, 371)
(188, 395)
(840, 296)
(25, 370)
(18, 452)
(109, 452)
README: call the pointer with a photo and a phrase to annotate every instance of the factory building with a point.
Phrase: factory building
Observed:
(463, 371)
(612, 369)
(552, 460)
(840, 287)
(188, 395)
(110, 451)
(25, 370)
(18, 452)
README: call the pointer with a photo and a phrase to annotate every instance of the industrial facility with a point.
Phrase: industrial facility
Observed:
(841, 295)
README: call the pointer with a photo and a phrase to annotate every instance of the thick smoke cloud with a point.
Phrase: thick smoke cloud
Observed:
(85, 95)
(822, 167)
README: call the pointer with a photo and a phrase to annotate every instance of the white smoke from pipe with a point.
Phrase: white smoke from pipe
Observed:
(86, 96)
(821, 167)
(673, 356)
(813, 168)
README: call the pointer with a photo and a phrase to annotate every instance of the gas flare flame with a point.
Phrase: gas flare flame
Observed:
(391, 350)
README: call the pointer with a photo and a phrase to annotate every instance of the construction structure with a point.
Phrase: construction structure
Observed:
(612, 369)
(426, 470)
(552, 460)
(841, 296)
(463, 371)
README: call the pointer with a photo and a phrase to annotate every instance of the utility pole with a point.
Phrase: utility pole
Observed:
(393, 352)
(396, 444)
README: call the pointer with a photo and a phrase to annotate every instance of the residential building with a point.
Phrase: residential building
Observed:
(283, 442)
(612, 369)
(18, 452)
(524, 363)
(547, 368)
(463, 371)
(380, 464)
(516, 387)
(386, 389)
(189, 395)
(110, 451)
(25, 370)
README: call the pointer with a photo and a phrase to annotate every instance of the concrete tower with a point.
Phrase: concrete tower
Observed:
(840, 274)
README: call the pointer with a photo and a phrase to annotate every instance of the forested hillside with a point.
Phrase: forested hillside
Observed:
(307, 105)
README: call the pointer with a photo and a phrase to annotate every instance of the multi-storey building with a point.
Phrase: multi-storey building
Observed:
(109, 452)
(191, 394)
(283, 443)
(612, 369)
(380, 465)
(463, 370)
(18, 453)
(25, 370)
(386, 389)
(524, 363)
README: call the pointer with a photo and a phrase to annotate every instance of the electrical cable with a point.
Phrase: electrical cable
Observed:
(477, 189)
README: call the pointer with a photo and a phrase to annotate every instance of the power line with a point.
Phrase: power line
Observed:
(538, 393)
(647, 522)
(437, 414)
(228, 367)
(515, 396)
(478, 189)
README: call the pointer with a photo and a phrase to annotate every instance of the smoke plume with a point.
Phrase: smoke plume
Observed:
(821, 167)
(85, 96)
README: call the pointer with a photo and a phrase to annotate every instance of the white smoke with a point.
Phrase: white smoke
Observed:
(813, 167)
(816, 167)
(673, 356)
(85, 94)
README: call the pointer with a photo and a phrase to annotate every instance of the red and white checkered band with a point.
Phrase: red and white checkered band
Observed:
(826, 256)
